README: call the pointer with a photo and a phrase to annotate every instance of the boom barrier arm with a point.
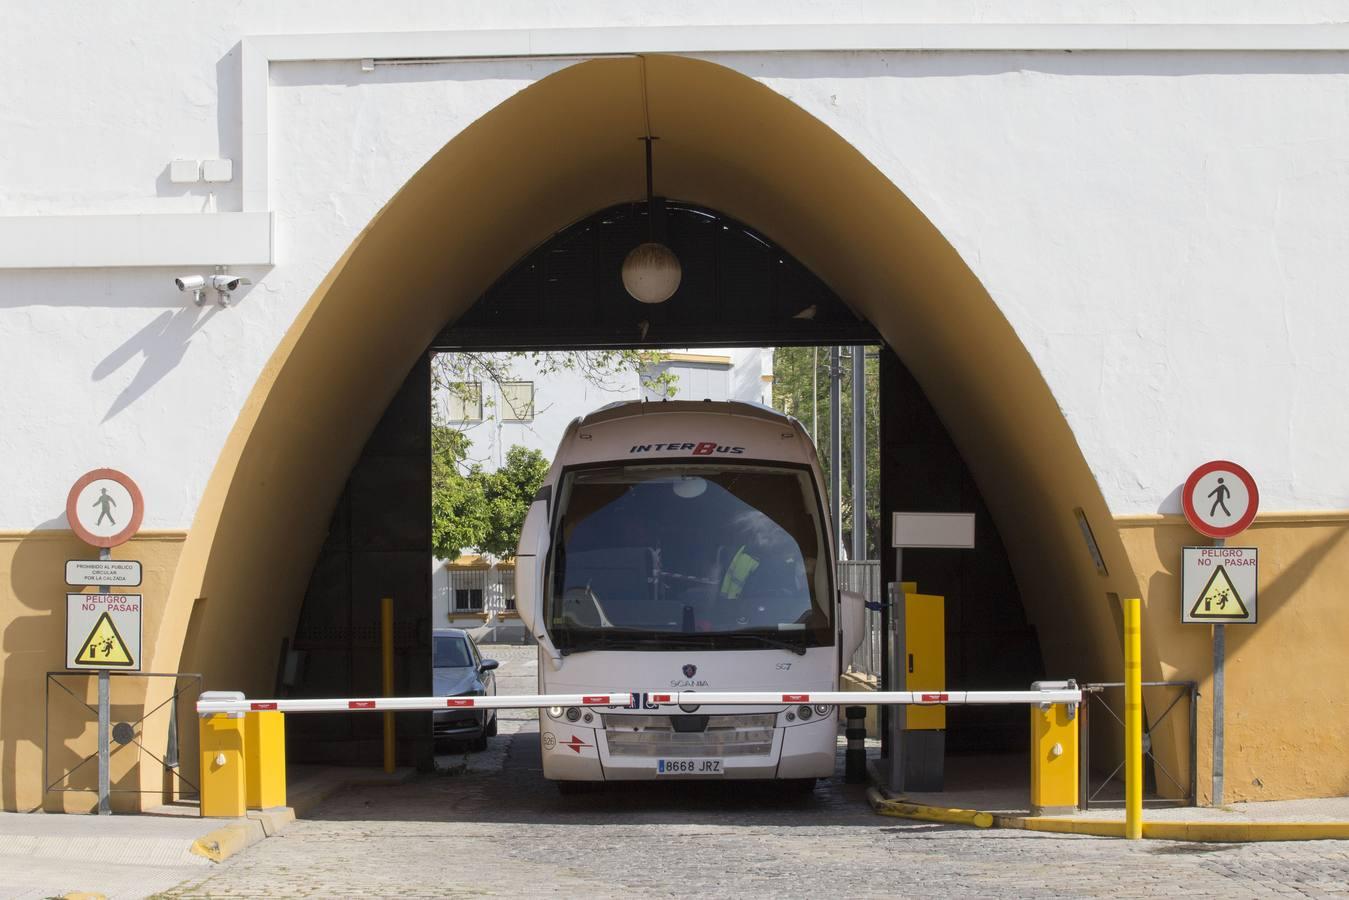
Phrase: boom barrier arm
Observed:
(212, 706)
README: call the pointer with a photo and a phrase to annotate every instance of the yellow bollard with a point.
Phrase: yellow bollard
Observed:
(386, 642)
(1054, 755)
(1133, 721)
(265, 759)
(222, 764)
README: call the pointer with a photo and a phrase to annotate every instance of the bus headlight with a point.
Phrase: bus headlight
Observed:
(573, 714)
(823, 710)
(804, 712)
(555, 712)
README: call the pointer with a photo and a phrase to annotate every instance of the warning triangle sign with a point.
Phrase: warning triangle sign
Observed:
(1219, 600)
(104, 646)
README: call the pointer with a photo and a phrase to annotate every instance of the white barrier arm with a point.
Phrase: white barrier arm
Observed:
(209, 706)
(864, 698)
(206, 707)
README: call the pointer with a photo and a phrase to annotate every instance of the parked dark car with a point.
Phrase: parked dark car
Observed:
(458, 670)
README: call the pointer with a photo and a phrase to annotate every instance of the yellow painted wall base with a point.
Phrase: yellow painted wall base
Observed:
(265, 759)
(223, 783)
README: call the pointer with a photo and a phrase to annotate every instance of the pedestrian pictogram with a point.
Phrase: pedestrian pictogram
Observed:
(1219, 599)
(1220, 499)
(104, 508)
(1218, 585)
(104, 646)
(103, 631)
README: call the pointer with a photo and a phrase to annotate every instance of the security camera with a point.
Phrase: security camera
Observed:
(194, 283)
(228, 283)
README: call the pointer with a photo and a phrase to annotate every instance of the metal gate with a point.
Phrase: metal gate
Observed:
(127, 731)
(1099, 698)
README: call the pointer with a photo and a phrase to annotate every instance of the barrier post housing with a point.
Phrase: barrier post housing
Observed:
(223, 779)
(1054, 754)
(265, 759)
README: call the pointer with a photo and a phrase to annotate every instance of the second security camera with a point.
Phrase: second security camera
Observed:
(227, 283)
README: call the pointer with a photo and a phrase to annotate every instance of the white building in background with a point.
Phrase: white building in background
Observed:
(532, 409)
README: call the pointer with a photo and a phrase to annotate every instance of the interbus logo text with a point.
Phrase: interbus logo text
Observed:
(701, 448)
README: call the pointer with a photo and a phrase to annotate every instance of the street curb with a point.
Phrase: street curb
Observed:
(1201, 832)
(221, 843)
(901, 810)
(1204, 832)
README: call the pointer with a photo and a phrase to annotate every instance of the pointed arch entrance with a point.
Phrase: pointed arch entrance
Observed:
(552, 154)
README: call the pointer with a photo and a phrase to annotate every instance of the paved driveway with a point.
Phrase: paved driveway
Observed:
(497, 828)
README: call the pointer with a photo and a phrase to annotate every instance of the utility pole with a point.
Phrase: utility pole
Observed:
(859, 452)
(836, 449)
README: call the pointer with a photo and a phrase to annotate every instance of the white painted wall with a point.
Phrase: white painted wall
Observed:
(1162, 228)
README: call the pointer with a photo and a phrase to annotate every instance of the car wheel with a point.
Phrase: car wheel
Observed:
(492, 726)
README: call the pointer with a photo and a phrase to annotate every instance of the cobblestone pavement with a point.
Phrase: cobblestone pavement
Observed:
(497, 828)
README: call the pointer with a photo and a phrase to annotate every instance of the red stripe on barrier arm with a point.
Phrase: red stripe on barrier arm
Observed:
(661, 698)
(459, 701)
(360, 704)
(599, 701)
(796, 698)
(261, 706)
(934, 698)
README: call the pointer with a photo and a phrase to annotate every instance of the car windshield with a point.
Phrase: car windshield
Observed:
(714, 555)
(449, 651)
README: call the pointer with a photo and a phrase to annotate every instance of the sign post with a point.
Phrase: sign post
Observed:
(104, 508)
(914, 530)
(1220, 500)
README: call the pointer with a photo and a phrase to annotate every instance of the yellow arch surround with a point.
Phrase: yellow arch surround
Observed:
(553, 153)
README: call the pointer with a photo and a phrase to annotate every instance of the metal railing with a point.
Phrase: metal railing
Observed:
(124, 734)
(864, 577)
(1095, 699)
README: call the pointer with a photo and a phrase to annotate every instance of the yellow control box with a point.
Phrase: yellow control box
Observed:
(924, 658)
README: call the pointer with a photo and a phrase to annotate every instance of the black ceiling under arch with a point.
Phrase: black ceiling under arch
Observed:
(738, 289)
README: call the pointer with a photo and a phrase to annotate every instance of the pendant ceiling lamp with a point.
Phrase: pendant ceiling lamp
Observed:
(651, 271)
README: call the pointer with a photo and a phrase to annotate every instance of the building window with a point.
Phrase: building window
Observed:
(517, 401)
(466, 401)
(468, 600)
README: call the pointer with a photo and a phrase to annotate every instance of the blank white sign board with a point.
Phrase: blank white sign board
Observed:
(948, 530)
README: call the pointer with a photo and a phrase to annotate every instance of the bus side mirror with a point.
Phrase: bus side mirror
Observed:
(530, 557)
(852, 621)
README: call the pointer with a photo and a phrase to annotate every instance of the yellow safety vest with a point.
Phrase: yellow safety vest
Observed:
(741, 567)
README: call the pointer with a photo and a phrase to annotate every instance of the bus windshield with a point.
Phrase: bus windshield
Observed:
(705, 555)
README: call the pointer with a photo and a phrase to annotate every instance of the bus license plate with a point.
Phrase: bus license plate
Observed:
(688, 767)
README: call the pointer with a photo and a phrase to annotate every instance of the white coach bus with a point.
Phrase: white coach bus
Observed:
(684, 546)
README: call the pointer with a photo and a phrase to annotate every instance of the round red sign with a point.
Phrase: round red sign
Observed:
(105, 508)
(1220, 499)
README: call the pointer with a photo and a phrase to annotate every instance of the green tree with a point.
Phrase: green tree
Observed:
(507, 493)
(458, 506)
(801, 389)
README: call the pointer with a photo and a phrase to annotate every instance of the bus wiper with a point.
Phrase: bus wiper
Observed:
(773, 642)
